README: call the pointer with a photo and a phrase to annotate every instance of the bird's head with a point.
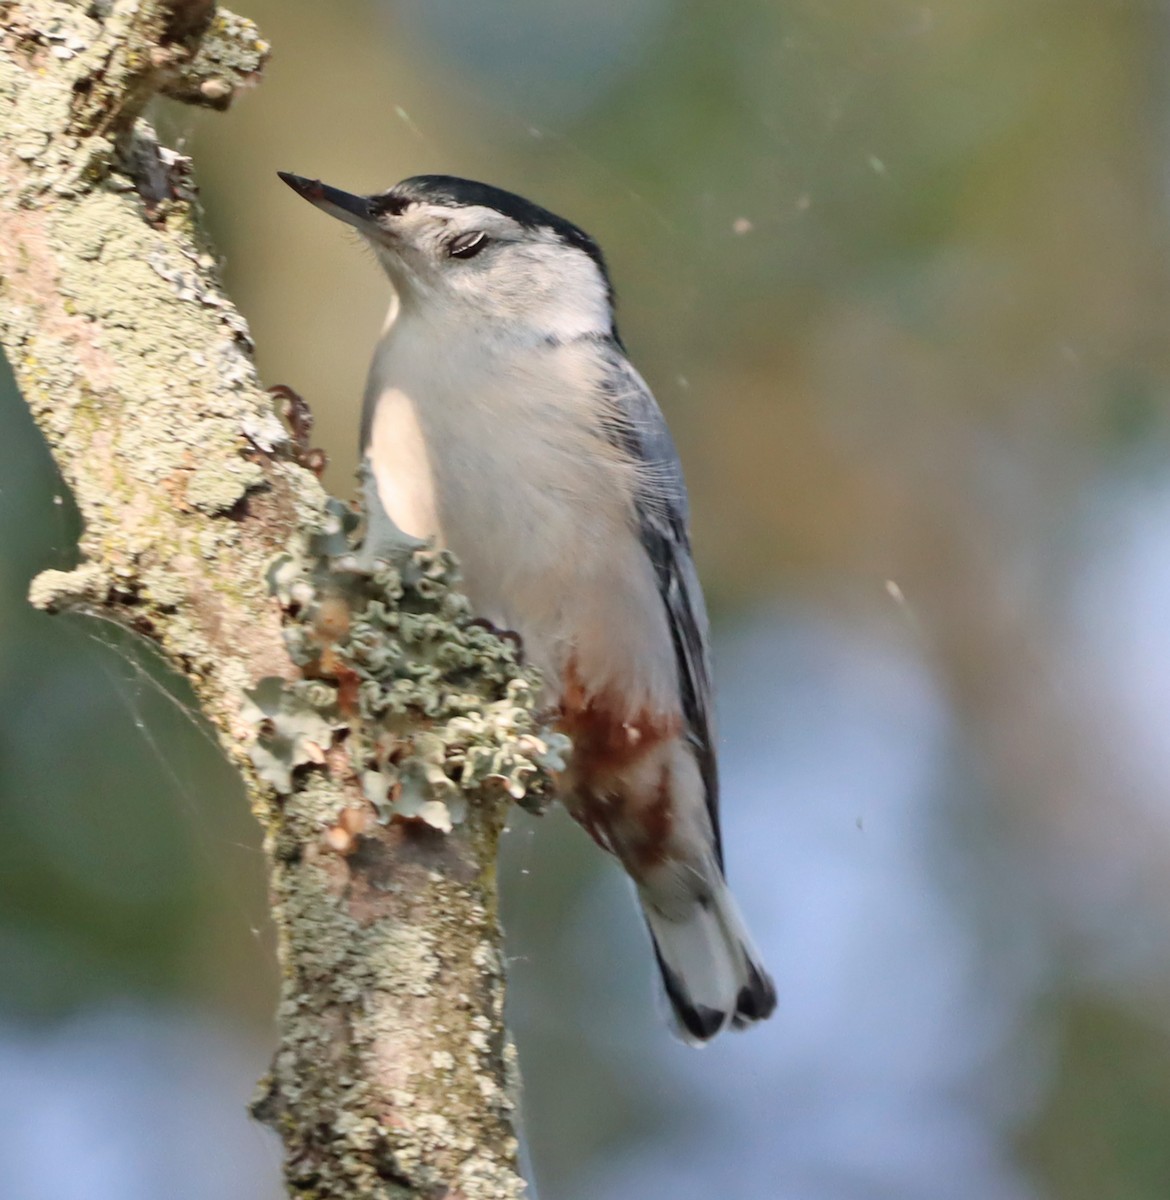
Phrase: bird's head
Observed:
(466, 252)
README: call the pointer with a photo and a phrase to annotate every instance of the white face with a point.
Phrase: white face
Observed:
(475, 264)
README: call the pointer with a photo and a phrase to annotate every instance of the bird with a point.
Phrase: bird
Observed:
(503, 419)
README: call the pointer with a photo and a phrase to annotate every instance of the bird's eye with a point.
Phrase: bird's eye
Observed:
(467, 245)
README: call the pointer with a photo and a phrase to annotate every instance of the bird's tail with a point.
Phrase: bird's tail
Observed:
(710, 969)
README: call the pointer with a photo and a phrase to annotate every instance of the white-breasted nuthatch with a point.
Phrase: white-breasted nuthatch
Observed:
(503, 419)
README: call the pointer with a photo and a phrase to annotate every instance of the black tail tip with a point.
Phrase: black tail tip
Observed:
(699, 1024)
(756, 1000)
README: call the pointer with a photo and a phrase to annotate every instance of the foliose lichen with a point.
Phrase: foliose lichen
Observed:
(430, 705)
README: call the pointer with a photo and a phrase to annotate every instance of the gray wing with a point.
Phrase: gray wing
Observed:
(636, 424)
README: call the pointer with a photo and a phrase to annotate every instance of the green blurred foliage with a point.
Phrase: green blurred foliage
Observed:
(1104, 1131)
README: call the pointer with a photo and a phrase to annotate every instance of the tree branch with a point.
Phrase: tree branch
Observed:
(379, 754)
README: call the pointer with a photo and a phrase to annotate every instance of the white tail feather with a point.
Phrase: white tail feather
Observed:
(710, 969)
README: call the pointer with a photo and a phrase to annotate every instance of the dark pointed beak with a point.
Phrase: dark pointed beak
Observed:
(353, 210)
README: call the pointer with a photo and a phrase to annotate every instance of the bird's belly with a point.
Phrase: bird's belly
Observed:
(568, 576)
(541, 521)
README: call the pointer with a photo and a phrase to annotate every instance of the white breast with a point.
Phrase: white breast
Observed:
(401, 464)
(497, 455)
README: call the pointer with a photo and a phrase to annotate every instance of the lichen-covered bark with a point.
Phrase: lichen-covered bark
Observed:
(392, 1076)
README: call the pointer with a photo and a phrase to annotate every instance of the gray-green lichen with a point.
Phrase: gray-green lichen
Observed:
(434, 706)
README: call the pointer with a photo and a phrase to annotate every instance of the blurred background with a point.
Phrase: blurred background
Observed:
(898, 275)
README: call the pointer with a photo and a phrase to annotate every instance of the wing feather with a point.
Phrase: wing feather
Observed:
(635, 423)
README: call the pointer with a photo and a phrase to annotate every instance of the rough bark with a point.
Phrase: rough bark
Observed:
(392, 1076)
